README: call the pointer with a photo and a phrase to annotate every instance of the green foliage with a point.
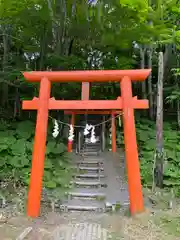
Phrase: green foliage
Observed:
(146, 141)
(16, 144)
(146, 138)
(65, 63)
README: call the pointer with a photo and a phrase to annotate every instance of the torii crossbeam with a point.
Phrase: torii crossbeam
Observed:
(127, 103)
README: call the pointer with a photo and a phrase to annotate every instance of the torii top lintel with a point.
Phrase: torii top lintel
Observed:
(88, 76)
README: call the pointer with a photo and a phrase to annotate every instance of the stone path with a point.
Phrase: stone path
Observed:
(80, 231)
(99, 184)
(99, 187)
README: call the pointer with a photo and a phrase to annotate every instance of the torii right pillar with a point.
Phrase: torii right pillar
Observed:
(131, 151)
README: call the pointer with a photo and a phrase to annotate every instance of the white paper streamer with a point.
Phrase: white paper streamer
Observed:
(56, 129)
(71, 133)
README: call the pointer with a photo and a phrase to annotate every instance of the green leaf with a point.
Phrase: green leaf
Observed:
(25, 129)
(2, 161)
(48, 164)
(29, 145)
(151, 144)
(171, 182)
(50, 184)
(3, 147)
(7, 140)
(47, 175)
(19, 161)
(53, 148)
(19, 148)
(60, 148)
(50, 147)
(177, 147)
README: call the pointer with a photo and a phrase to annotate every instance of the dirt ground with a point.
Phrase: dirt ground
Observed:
(151, 225)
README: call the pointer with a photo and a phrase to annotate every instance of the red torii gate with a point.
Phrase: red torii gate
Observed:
(126, 102)
(113, 123)
(85, 90)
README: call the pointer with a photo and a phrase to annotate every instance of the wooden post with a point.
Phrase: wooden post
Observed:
(113, 132)
(79, 141)
(103, 134)
(85, 91)
(150, 91)
(34, 197)
(159, 161)
(69, 141)
(132, 162)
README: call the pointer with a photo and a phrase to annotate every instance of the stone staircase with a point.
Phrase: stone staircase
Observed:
(88, 192)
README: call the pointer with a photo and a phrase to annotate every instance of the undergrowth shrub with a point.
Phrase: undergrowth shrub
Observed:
(16, 144)
(146, 139)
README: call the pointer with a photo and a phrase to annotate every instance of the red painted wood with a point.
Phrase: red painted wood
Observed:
(34, 196)
(132, 161)
(101, 112)
(87, 104)
(69, 147)
(85, 90)
(88, 76)
(127, 102)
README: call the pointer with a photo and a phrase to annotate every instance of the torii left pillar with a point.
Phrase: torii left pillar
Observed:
(39, 151)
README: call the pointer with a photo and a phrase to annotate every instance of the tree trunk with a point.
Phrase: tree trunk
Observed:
(178, 101)
(142, 56)
(68, 39)
(103, 134)
(43, 47)
(5, 88)
(17, 104)
(60, 27)
(150, 93)
(167, 60)
(178, 113)
(154, 96)
(159, 157)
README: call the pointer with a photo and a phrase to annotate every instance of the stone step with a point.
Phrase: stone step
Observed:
(90, 162)
(92, 169)
(97, 144)
(94, 158)
(92, 147)
(83, 205)
(89, 183)
(87, 193)
(95, 150)
(83, 176)
(92, 144)
(89, 153)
